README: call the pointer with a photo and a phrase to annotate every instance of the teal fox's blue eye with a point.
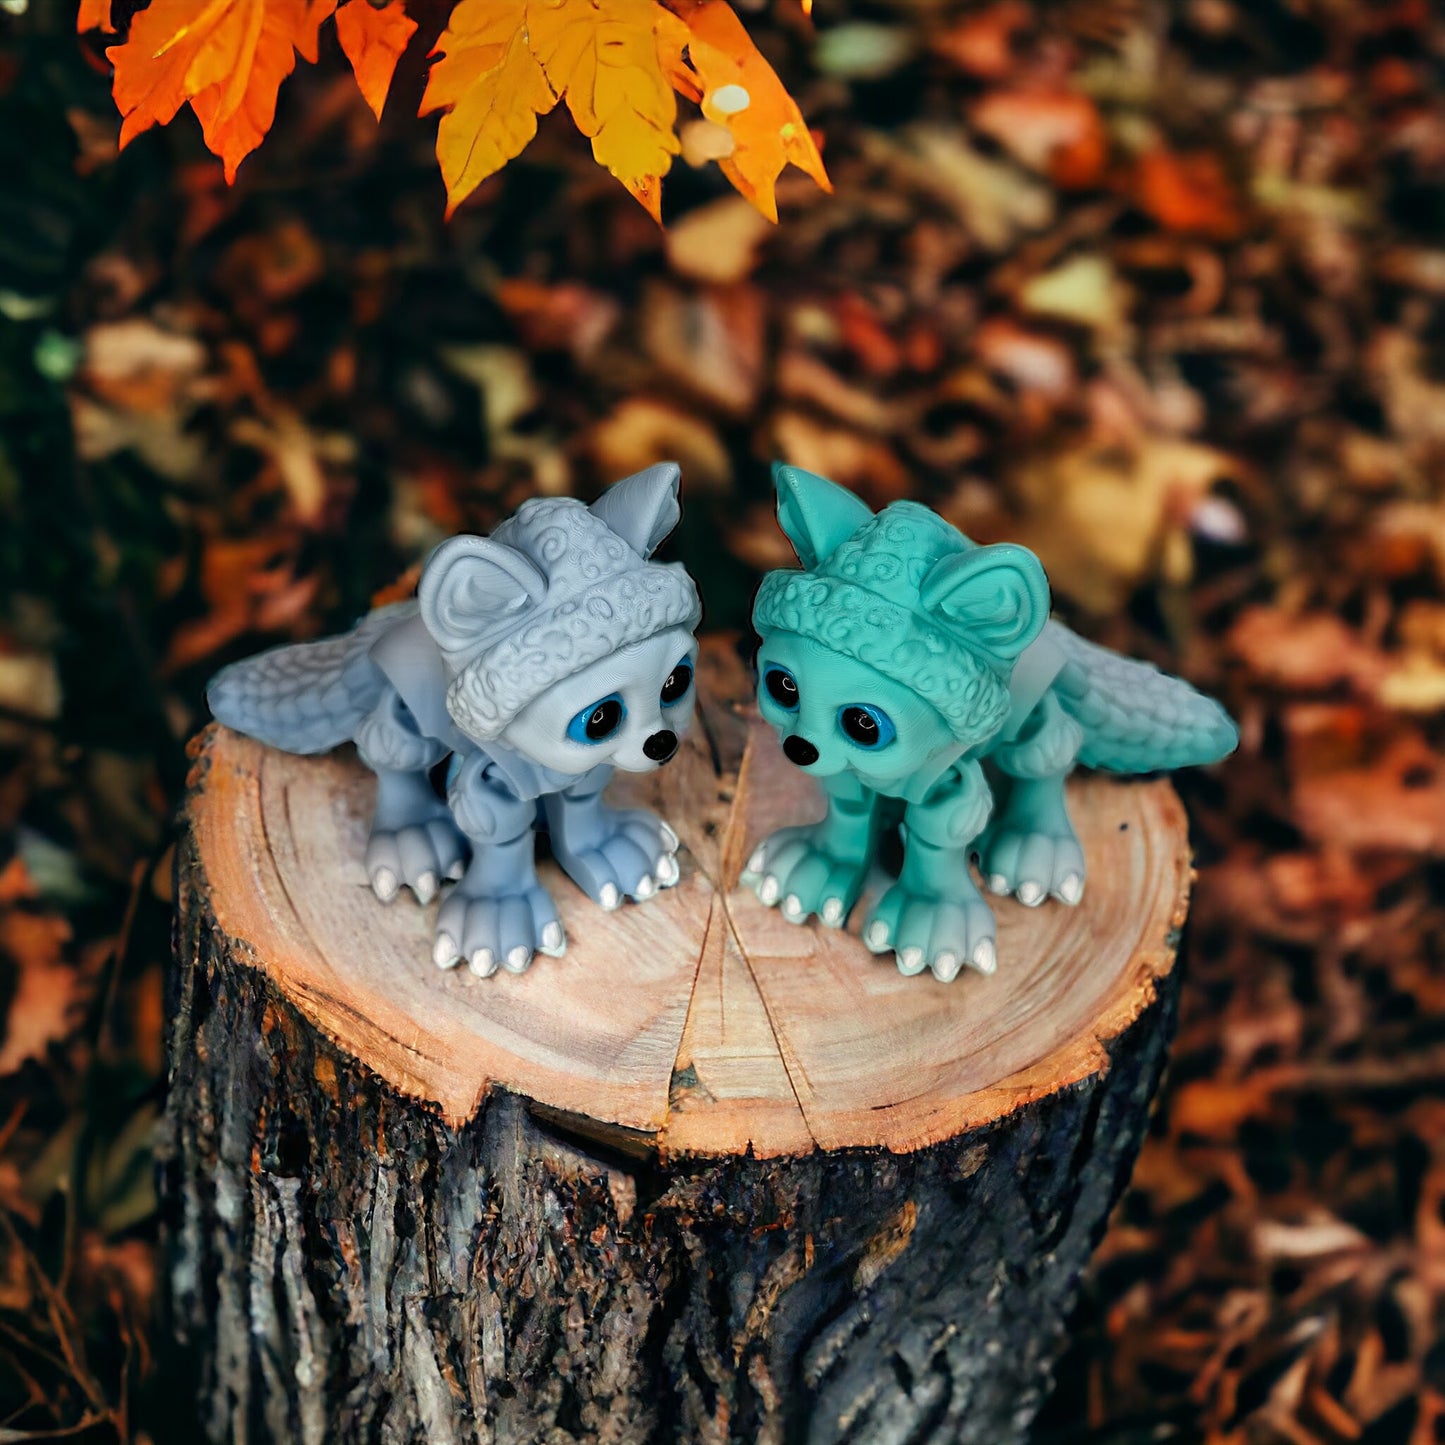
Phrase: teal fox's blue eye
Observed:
(782, 687)
(677, 684)
(869, 727)
(597, 721)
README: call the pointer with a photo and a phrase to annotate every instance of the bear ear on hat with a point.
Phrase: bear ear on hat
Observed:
(996, 599)
(642, 509)
(471, 586)
(817, 515)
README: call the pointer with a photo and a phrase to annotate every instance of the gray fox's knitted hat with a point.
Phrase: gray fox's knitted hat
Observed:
(906, 594)
(556, 587)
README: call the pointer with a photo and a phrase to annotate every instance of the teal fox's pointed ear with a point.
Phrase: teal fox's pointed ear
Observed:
(643, 508)
(995, 598)
(816, 514)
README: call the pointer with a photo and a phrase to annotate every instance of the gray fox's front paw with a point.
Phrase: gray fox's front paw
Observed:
(632, 856)
(497, 930)
(417, 855)
(791, 868)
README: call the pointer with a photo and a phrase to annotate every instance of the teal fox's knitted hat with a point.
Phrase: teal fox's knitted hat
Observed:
(907, 594)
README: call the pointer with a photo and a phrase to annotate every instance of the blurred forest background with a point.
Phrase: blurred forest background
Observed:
(1158, 289)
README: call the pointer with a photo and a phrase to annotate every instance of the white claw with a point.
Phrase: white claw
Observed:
(985, 959)
(517, 960)
(769, 890)
(667, 871)
(877, 937)
(425, 888)
(997, 883)
(482, 963)
(383, 884)
(946, 967)
(1072, 888)
(832, 912)
(910, 961)
(670, 838)
(553, 939)
(444, 952)
(1030, 894)
(793, 908)
(457, 870)
(646, 887)
(755, 863)
(609, 897)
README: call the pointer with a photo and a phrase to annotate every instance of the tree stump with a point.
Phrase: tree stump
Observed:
(710, 1177)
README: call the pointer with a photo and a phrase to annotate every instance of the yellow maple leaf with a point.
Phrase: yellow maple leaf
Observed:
(603, 57)
(373, 41)
(227, 58)
(492, 89)
(740, 91)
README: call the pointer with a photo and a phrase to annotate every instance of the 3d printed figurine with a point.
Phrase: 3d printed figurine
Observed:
(538, 659)
(914, 673)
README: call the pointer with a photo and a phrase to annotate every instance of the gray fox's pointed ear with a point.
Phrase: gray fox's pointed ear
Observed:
(996, 598)
(470, 586)
(816, 514)
(642, 509)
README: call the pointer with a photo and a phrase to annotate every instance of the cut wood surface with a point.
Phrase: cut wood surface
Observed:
(700, 1022)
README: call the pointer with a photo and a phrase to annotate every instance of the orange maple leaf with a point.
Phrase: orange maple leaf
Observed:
(227, 58)
(94, 15)
(373, 41)
(492, 89)
(739, 90)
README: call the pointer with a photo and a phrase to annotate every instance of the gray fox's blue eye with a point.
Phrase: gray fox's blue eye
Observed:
(597, 721)
(782, 687)
(869, 727)
(677, 684)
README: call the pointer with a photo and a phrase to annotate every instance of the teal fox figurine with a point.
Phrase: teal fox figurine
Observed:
(917, 677)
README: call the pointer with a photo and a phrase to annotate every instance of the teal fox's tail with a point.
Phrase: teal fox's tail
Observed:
(1135, 718)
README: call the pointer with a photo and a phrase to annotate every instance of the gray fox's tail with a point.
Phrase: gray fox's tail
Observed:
(308, 697)
(1135, 718)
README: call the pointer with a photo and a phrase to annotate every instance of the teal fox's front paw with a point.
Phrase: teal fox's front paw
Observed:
(934, 931)
(1033, 863)
(792, 869)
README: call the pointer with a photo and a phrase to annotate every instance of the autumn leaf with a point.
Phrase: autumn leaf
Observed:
(602, 57)
(94, 15)
(227, 58)
(740, 91)
(492, 88)
(373, 41)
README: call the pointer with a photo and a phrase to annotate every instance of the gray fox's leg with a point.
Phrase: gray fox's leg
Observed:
(499, 915)
(934, 916)
(1031, 850)
(610, 853)
(413, 842)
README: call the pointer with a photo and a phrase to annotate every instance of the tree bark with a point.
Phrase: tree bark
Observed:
(745, 1247)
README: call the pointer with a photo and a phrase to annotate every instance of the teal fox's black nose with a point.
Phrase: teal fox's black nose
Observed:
(799, 750)
(660, 746)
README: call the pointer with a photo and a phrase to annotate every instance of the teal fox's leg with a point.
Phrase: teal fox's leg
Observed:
(1032, 850)
(820, 867)
(934, 916)
(498, 915)
(610, 853)
(414, 843)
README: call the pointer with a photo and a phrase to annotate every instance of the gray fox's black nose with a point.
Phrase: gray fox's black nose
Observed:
(660, 746)
(800, 751)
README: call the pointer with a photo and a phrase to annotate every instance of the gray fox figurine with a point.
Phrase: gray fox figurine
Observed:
(917, 677)
(534, 661)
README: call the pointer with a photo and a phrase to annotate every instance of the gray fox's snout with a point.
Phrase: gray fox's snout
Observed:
(799, 750)
(660, 746)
